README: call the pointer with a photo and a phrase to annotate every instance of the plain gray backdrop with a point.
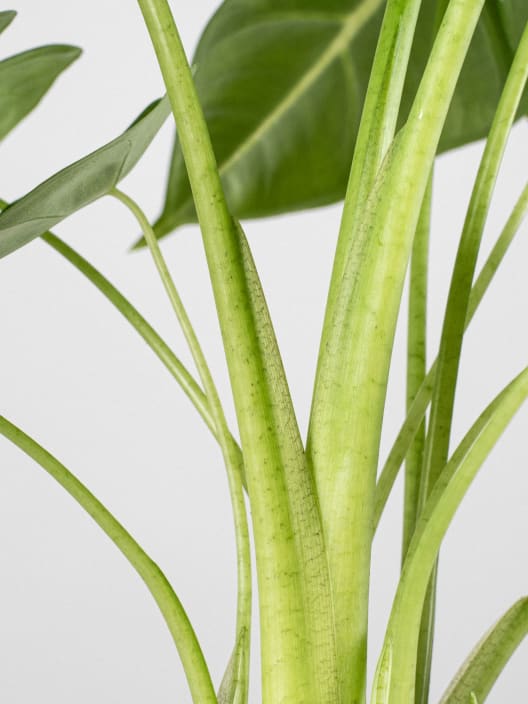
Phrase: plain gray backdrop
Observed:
(76, 623)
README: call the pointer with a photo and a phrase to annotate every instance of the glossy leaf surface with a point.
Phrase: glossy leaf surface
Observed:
(25, 78)
(79, 184)
(282, 84)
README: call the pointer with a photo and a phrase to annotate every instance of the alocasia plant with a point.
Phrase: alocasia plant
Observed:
(291, 105)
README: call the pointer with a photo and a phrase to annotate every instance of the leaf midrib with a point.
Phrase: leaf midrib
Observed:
(353, 22)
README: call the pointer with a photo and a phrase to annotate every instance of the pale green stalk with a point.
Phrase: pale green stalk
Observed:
(327, 445)
(416, 362)
(353, 370)
(376, 131)
(175, 617)
(297, 663)
(453, 482)
(419, 407)
(443, 398)
(243, 621)
(485, 663)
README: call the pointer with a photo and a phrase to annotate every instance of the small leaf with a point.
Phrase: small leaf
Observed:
(282, 84)
(6, 17)
(80, 183)
(26, 77)
(478, 674)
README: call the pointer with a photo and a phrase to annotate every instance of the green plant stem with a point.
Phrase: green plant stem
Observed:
(442, 402)
(175, 367)
(485, 663)
(243, 621)
(297, 664)
(332, 449)
(351, 383)
(416, 362)
(454, 480)
(418, 408)
(175, 617)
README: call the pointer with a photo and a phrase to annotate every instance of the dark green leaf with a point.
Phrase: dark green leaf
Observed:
(6, 17)
(79, 184)
(478, 674)
(282, 84)
(26, 77)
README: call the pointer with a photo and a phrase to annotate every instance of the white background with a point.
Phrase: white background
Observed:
(77, 624)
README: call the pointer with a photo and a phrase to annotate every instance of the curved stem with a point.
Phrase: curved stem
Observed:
(175, 617)
(418, 408)
(224, 436)
(160, 348)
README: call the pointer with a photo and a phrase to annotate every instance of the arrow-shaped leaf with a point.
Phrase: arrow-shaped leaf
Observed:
(478, 674)
(25, 78)
(282, 84)
(79, 184)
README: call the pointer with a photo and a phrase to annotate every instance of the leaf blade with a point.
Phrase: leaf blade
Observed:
(301, 71)
(80, 183)
(6, 17)
(25, 78)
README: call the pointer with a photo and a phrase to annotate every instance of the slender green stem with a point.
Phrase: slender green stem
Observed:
(487, 660)
(175, 367)
(443, 398)
(416, 362)
(295, 665)
(448, 492)
(175, 617)
(224, 436)
(418, 408)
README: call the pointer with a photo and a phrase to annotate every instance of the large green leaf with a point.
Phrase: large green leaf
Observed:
(6, 17)
(26, 77)
(79, 184)
(478, 674)
(282, 84)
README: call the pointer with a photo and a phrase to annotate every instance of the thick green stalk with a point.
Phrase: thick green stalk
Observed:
(443, 398)
(353, 369)
(175, 617)
(243, 621)
(376, 131)
(418, 409)
(327, 446)
(297, 661)
(416, 362)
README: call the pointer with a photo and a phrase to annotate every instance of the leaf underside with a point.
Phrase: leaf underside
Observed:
(80, 183)
(282, 84)
(25, 78)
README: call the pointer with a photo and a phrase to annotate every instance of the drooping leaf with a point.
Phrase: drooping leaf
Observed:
(80, 183)
(25, 78)
(282, 84)
(6, 17)
(478, 674)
